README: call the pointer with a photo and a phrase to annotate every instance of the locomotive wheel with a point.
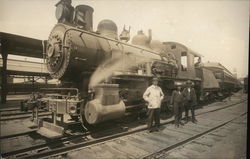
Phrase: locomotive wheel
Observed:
(83, 120)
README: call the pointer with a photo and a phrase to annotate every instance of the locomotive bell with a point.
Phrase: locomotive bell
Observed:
(125, 36)
(107, 28)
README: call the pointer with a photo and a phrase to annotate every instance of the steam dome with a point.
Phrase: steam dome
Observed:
(107, 28)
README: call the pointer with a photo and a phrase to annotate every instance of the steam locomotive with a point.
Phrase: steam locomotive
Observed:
(103, 77)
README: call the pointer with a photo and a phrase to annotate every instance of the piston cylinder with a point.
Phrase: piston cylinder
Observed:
(106, 105)
(95, 112)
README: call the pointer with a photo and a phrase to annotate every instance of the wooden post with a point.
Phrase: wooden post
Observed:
(36, 110)
(3, 72)
(33, 84)
(62, 118)
(54, 117)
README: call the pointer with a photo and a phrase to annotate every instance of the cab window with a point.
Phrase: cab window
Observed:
(184, 61)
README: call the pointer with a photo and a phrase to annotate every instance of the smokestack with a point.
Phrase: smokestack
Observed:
(84, 16)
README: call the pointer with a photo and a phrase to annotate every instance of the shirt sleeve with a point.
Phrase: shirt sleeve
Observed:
(172, 98)
(184, 93)
(146, 94)
(195, 97)
(161, 93)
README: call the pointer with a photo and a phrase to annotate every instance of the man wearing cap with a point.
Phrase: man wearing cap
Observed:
(198, 63)
(153, 95)
(177, 102)
(190, 101)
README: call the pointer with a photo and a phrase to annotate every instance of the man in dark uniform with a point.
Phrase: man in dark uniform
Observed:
(198, 63)
(177, 102)
(190, 101)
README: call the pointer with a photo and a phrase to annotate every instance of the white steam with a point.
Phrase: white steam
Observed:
(108, 67)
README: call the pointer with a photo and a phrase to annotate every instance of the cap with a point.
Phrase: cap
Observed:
(188, 82)
(178, 84)
(155, 79)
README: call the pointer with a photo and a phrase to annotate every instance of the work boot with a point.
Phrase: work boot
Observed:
(186, 120)
(194, 121)
(157, 128)
(149, 130)
(181, 123)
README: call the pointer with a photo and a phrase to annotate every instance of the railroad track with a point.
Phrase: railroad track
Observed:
(18, 134)
(66, 145)
(200, 139)
(9, 109)
(15, 114)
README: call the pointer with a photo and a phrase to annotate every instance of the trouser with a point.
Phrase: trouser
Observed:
(178, 108)
(153, 115)
(189, 105)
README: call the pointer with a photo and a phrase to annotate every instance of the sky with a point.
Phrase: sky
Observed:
(217, 29)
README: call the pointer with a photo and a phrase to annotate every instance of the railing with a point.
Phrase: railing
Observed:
(24, 66)
(62, 89)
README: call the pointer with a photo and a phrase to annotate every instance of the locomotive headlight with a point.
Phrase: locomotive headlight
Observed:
(59, 11)
(64, 11)
(72, 109)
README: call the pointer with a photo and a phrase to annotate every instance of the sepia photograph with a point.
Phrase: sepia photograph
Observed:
(116, 79)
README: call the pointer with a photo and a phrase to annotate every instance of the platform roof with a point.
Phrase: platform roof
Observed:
(21, 45)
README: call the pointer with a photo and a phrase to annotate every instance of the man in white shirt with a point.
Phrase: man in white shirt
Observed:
(153, 95)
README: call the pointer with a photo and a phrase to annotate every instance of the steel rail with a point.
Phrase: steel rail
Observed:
(19, 113)
(15, 117)
(9, 109)
(19, 134)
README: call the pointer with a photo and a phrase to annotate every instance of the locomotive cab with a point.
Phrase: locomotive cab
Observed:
(185, 60)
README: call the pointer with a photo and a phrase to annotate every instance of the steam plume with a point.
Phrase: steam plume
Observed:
(108, 67)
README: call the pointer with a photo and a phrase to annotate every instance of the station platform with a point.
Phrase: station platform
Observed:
(17, 97)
